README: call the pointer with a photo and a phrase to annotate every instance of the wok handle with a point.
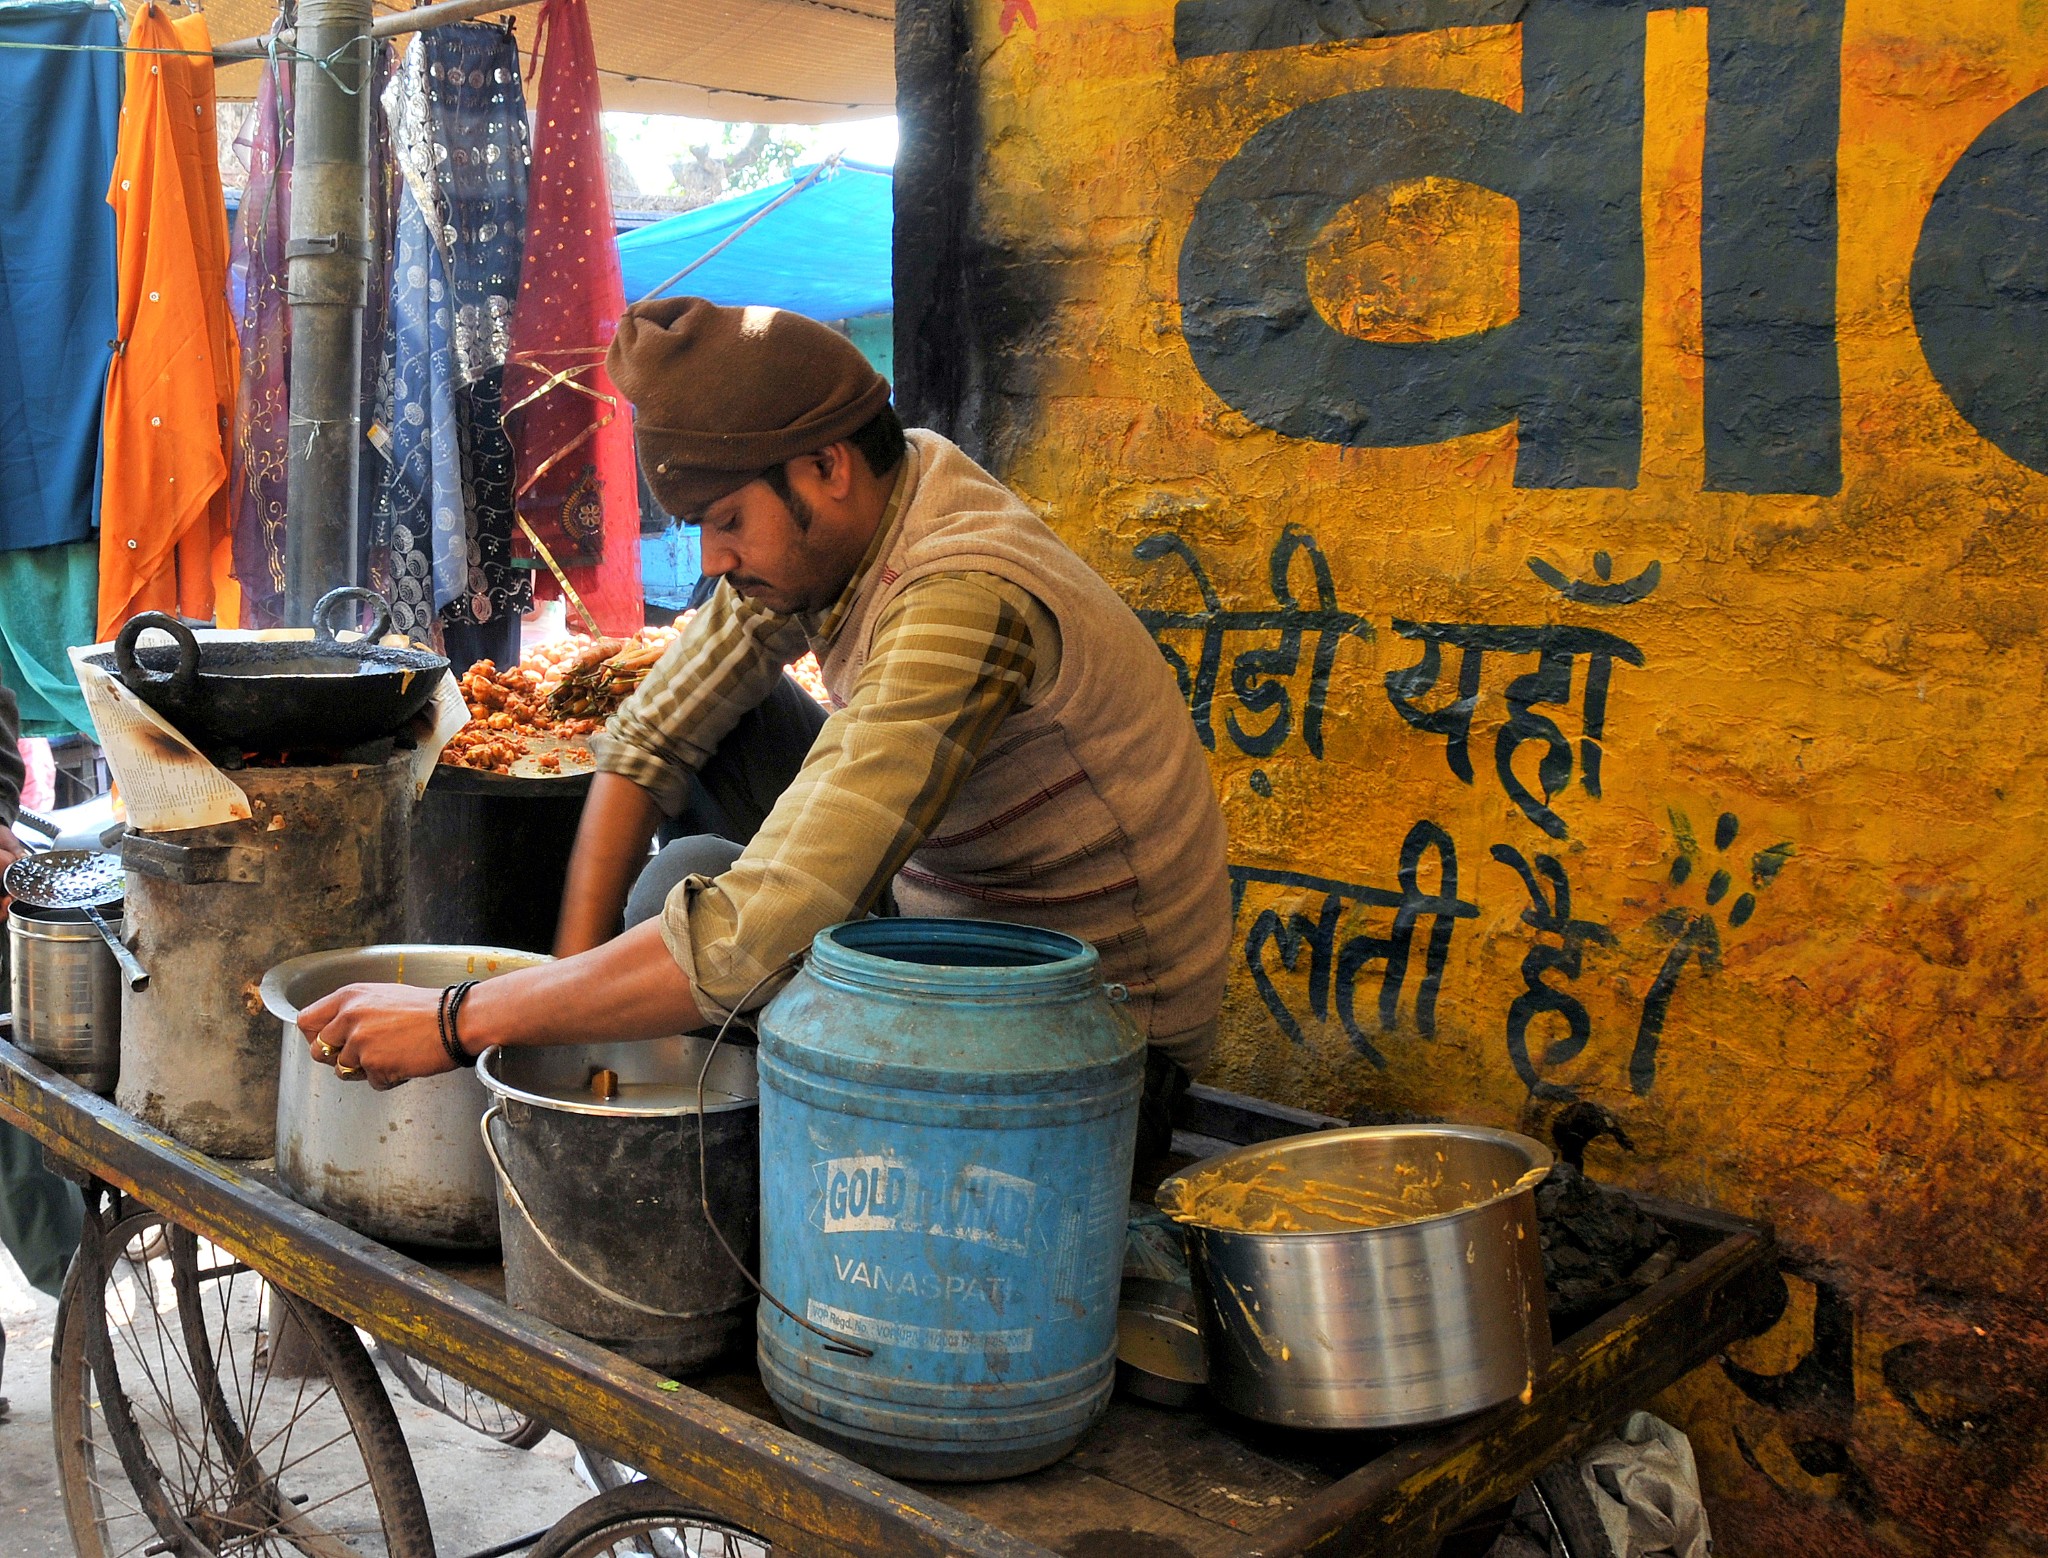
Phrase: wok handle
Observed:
(136, 975)
(135, 673)
(324, 606)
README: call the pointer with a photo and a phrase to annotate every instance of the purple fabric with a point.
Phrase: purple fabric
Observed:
(256, 286)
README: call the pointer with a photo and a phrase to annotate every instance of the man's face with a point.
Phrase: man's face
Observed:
(789, 556)
(768, 549)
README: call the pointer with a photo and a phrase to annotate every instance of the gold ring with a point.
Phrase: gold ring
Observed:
(348, 1073)
(327, 1051)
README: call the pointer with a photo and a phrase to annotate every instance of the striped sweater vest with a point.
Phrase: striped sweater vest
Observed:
(1090, 811)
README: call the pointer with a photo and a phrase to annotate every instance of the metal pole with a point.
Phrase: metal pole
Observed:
(327, 271)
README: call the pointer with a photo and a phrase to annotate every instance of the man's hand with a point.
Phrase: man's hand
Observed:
(11, 850)
(629, 988)
(382, 1034)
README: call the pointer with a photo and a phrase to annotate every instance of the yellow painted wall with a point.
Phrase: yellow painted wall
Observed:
(1855, 678)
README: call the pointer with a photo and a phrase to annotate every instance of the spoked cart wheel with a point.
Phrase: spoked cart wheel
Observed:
(432, 1387)
(601, 1471)
(183, 1426)
(645, 1520)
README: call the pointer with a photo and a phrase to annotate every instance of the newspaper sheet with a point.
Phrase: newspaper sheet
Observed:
(166, 782)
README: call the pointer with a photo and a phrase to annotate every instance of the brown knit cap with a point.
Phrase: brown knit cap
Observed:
(724, 393)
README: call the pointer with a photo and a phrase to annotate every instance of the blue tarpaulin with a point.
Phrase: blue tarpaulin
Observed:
(825, 253)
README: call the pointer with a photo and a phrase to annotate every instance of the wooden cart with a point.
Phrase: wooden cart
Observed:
(1147, 1483)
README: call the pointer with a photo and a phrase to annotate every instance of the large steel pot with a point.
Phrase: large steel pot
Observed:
(66, 994)
(1312, 1318)
(406, 1166)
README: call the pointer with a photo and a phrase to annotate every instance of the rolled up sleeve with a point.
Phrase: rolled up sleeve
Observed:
(13, 772)
(951, 657)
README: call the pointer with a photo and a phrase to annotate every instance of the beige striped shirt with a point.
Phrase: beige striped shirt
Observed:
(955, 653)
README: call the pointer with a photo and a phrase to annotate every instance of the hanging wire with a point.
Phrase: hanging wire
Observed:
(561, 578)
(314, 424)
(325, 62)
(834, 1341)
(101, 48)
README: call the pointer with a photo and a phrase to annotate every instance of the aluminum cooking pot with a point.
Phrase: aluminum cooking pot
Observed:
(1375, 1277)
(408, 1165)
(276, 696)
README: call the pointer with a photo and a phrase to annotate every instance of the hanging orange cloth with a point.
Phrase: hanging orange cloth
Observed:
(165, 537)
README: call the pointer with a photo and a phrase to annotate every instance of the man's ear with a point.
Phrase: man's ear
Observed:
(835, 468)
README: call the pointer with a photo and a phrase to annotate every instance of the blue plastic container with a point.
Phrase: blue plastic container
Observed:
(948, 1111)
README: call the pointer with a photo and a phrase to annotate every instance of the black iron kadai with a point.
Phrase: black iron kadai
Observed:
(284, 696)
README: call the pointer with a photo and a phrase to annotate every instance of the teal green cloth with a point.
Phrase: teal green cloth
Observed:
(40, 1214)
(49, 600)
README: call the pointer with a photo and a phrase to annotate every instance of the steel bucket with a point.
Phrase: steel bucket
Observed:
(599, 1203)
(66, 993)
(1313, 1320)
(405, 1166)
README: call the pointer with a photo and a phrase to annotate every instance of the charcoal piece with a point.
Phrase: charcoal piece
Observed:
(1599, 1248)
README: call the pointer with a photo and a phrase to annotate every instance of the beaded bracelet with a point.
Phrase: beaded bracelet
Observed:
(450, 1021)
(441, 1024)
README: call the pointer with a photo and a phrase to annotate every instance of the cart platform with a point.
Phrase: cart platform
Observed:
(1145, 1483)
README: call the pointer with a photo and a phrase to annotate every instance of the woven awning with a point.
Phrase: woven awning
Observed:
(770, 61)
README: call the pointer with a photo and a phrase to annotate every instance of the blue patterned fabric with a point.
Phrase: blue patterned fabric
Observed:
(56, 268)
(456, 114)
(477, 107)
(429, 549)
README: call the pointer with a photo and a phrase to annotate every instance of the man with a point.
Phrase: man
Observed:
(40, 1215)
(1006, 741)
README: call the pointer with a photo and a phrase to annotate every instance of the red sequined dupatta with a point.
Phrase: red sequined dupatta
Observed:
(578, 492)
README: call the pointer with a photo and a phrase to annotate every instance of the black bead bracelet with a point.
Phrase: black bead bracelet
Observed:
(450, 1018)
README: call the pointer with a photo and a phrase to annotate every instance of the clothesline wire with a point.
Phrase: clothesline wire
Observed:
(325, 62)
(829, 165)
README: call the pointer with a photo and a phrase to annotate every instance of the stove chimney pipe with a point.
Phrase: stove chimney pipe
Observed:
(327, 277)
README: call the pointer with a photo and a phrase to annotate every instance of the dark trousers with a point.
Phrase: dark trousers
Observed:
(731, 797)
(40, 1214)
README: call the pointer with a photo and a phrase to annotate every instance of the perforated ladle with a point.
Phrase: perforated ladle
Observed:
(76, 879)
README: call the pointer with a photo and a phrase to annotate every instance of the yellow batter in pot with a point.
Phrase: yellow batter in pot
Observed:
(1273, 1197)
